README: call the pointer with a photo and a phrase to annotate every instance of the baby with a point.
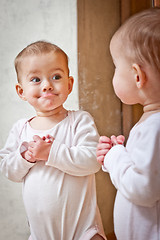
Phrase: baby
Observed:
(135, 169)
(54, 152)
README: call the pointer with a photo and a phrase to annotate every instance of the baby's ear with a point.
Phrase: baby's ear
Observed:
(70, 84)
(139, 75)
(20, 91)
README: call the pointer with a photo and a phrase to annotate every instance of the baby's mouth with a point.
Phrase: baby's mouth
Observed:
(48, 95)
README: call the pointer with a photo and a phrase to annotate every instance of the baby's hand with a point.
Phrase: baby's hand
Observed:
(105, 144)
(28, 156)
(48, 138)
(117, 140)
(103, 147)
(39, 148)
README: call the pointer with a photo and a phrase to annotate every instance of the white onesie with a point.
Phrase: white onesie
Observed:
(60, 194)
(135, 172)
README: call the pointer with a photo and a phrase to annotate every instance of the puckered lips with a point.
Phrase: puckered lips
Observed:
(48, 95)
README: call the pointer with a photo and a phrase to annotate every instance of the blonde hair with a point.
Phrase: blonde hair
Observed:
(140, 38)
(36, 48)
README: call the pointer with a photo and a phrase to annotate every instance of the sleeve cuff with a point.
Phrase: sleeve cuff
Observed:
(111, 156)
(53, 153)
(23, 147)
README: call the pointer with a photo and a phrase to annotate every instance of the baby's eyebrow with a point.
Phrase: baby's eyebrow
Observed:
(33, 72)
(57, 69)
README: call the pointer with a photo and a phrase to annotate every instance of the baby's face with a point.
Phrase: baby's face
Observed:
(123, 80)
(44, 81)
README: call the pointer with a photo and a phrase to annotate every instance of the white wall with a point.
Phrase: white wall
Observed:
(23, 22)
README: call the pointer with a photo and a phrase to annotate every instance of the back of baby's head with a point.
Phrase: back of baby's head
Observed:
(139, 38)
(36, 48)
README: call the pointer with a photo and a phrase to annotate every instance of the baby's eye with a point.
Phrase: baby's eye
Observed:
(56, 77)
(35, 80)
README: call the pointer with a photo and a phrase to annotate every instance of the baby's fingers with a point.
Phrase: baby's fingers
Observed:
(29, 157)
(120, 139)
(114, 140)
(100, 159)
(117, 140)
(48, 138)
(36, 138)
(102, 152)
(104, 139)
(103, 146)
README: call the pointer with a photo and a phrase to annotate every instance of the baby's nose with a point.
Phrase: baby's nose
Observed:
(47, 85)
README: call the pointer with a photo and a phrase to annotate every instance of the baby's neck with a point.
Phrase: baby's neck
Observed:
(45, 121)
(149, 110)
(53, 113)
(152, 108)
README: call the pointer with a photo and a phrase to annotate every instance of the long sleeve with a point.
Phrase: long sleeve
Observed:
(79, 157)
(12, 165)
(135, 170)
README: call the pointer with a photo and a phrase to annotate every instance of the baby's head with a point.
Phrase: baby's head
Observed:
(135, 49)
(43, 76)
(37, 48)
(139, 38)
